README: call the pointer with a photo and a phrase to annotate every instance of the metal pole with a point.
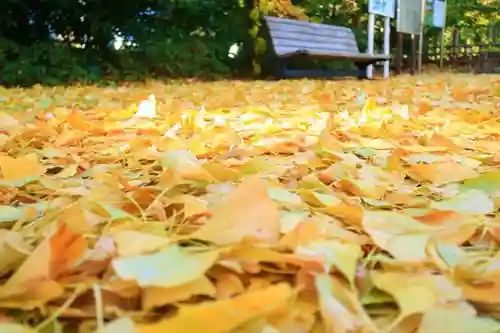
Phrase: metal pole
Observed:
(387, 44)
(441, 55)
(421, 37)
(371, 37)
(399, 53)
(441, 58)
(412, 55)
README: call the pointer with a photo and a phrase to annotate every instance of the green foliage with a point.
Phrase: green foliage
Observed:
(185, 58)
(55, 41)
(45, 62)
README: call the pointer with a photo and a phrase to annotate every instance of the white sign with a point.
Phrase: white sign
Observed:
(439, 14)
(385, 8)
(409, 17)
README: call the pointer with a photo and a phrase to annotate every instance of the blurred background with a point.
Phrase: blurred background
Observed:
(63, 41)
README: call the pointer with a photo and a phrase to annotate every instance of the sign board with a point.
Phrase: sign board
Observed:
(385, 8)
(439, 14)
(435, 13)
(409, 17)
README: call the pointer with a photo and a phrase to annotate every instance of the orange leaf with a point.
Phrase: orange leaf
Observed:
(424, 107)
(224, 316)
(442, 173)
(437, 216)
(78, 121)
(66, 248)
(228, 285)
(157, 296)
(248, 211)
(304, 233)
(20, 168)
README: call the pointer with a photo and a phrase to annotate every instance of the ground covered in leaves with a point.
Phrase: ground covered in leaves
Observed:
(262, 207)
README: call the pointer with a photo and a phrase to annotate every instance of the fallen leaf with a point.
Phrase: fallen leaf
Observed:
(122, 325)
(133, 243)
(169, 267)
(66, 248)
(442, 172)
(248, 211)
(416, 293)
(456, 321)
(14, 169)
(469, 202)
(158, 296)
(343, 257)
(394, 232)
(15, 328)
(224, 316)
(338, 315)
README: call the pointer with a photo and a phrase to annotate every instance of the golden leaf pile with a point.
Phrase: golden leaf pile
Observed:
(262, 207)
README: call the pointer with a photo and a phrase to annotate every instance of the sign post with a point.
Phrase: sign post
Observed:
(421, 36)
(387, 9)
(409, 21)
(434, 15)
(439, 18)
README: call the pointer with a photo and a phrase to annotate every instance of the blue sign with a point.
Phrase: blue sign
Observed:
(382, 7)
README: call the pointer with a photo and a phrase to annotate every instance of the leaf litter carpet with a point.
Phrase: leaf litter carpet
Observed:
(263, 207)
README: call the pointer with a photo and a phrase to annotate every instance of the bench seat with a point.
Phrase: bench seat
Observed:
(300, 38)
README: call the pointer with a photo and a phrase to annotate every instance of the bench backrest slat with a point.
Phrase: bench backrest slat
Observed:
(291, 35)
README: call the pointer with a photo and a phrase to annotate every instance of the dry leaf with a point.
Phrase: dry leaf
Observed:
(223, 316)
(169, 267)
(248, 211)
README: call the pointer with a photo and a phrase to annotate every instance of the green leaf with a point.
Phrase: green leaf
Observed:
(121, 325)
(377, 203)
(365, 152)
(284, 196)
(114, 213)
(327, 199)
(402, 236)
(376, 296)
(18, 182)
(451, 254)
(488, 183)
(343, 257)
(10, 214)
(469, 202)
(456, 321)
(290, 219)
(46, 102)
(415, 293)
(172, 266)
(15, 328)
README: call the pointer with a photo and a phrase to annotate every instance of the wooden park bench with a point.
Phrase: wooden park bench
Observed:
(292, 38)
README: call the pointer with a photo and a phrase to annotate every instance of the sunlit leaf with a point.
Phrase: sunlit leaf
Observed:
(287, 206)
(223, 316)
(159, 296)
(15, 328)
(17, 169)
(416, 294)
(469, 202)
(122, 325)
(248, 211)
(456, 321)
(394, 232)
(343, 257)
(169, 267)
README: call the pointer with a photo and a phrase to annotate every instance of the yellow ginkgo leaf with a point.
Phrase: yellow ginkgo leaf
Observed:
(248, 211)
(224, 316)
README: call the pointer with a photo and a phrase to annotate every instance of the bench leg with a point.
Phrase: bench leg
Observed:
(281, 68)
(362, 71)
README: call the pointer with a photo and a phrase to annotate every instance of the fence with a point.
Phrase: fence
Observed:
(478, 58)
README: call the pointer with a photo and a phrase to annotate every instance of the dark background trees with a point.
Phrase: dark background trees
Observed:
(54, 41)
